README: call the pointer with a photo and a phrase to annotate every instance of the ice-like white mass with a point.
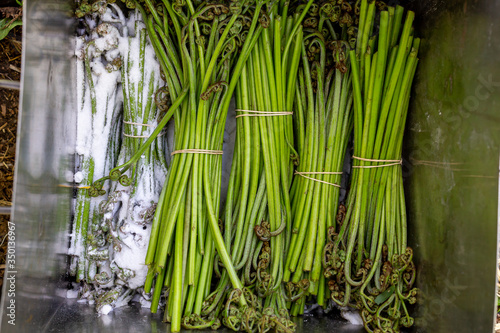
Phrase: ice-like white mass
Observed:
(117, 79)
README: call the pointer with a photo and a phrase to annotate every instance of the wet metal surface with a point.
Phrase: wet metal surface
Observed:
(453, 144)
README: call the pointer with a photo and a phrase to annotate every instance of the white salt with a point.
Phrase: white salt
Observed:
(78, 177)
(98, 125)
(132, 256)
(106, 309)
(145, 303)
(72, 294)
(352, 316)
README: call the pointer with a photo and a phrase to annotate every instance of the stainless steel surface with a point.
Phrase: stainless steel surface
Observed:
(452, 153)
(452, 176)
(74, 317)
(41, 208)
(9, 84)
(5, 210)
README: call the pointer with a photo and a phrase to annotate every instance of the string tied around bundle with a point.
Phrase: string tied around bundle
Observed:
(387, 163)
(304, 173)
(197, 151)
(254, 113)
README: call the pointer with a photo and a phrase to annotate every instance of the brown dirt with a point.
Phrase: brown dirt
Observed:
(10, 64)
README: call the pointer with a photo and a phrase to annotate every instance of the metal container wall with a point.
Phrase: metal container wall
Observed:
(452, 151)
(451, 169)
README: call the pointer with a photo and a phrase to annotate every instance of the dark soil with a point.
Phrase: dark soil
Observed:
(10, 69)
